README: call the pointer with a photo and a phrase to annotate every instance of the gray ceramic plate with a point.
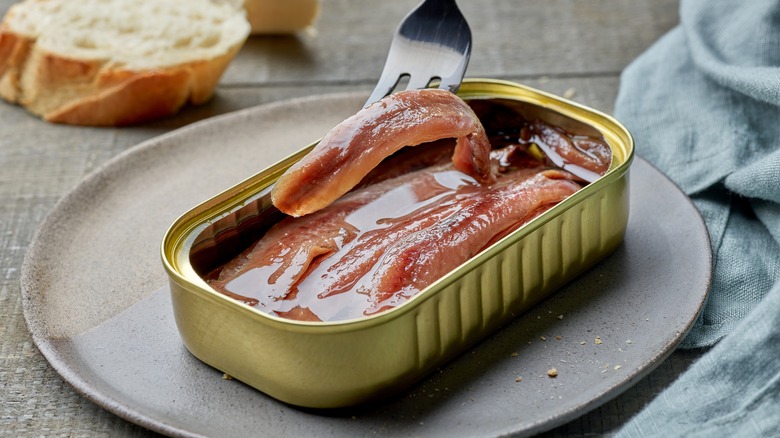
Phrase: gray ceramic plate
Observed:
(97, 307)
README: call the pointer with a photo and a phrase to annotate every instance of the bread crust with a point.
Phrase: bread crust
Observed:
(14, 50)
(62, 89)
(122, 97)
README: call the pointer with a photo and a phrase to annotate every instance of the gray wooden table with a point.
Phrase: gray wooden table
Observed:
(575, 48)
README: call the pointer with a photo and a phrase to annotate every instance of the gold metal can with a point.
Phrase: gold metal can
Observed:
(337, 364)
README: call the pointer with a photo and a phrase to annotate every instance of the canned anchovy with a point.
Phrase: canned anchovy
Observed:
(501, 217)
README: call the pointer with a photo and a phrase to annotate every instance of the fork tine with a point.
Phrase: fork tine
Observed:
(451, 85)
(390, 77)
(418, 81)
(452, 82)
(382, 89)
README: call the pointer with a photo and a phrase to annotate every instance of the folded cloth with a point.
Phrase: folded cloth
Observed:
(704, 106)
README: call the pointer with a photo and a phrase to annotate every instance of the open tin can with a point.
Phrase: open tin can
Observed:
(337, 364)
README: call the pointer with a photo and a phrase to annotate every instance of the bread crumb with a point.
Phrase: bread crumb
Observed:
(542, 338)
(583, 342)
(518, 379)
(513, 354)
(597, 341)
(568, 94)
(617, 367)
(558, 338)
(560, 316)
(628, 341)
(227, 376)
(552, 372)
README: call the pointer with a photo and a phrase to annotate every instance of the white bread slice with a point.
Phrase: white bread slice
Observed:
(115, 62)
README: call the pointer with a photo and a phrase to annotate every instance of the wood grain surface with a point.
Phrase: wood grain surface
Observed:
(575, 48)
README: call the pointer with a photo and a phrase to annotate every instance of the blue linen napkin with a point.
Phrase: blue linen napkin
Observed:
(704, 106)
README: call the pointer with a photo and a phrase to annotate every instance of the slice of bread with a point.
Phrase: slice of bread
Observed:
(115, 62)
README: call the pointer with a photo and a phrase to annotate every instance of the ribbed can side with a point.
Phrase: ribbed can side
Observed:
(522, 274)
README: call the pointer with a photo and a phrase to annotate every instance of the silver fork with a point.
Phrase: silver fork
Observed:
(433, 42)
